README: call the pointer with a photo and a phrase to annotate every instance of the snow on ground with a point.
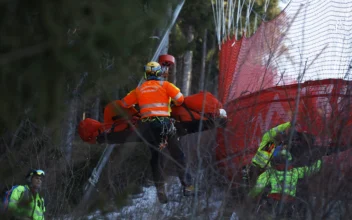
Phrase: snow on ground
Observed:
(234, 216)
(146, 205)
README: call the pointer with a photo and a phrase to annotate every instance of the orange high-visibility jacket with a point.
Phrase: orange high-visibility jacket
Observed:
(153, 98)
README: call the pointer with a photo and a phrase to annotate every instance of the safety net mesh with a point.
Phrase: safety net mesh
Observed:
(298, 64)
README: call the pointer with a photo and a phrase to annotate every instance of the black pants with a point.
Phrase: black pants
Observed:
(151, 131)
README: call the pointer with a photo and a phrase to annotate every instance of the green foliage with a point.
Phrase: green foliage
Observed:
(178, 42)
(258, 14)
(272, 11)
(197, 13)
(46, 45)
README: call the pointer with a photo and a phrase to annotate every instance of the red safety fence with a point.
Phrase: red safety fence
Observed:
(323, 110)
(258, 78)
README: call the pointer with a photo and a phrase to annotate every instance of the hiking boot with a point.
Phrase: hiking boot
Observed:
(188, 190)
(160, 191)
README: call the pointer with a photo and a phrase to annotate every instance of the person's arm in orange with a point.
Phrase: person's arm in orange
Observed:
(130, 99)
(174, 93)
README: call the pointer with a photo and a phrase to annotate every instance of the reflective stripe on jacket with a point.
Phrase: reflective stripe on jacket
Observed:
(275, 179)
(153, 98)
(267, 147)
(23, 203)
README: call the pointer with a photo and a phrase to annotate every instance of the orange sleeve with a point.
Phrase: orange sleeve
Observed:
(130, 99)
(174, 93)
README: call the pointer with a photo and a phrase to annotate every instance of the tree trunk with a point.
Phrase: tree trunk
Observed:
(204, 57)
(173, 74)
(96, 107)
(179, 72)
(213, 85)
(70, 128)
(71, 121)
(187, 64)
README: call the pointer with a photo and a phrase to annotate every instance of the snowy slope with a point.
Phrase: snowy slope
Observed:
(146, 205)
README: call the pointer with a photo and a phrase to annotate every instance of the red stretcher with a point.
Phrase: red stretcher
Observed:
(120, 124)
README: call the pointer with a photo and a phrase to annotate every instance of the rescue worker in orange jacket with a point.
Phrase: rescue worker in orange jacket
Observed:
(154, 97)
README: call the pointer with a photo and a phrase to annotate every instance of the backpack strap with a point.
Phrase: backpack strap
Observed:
(33, 197)
(205, 115)
(189, 111)
(8, 193)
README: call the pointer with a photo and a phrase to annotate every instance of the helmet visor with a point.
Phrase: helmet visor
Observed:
(38, 172)
(152, 69)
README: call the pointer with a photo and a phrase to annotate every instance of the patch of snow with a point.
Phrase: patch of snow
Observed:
(234, 216)
(142, 206)
(147, 207)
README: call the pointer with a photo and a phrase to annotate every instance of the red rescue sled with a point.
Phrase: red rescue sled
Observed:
(120, 123)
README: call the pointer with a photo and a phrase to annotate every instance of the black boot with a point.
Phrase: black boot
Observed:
(160, 191)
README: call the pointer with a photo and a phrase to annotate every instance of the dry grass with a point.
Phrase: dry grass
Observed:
(128, 170)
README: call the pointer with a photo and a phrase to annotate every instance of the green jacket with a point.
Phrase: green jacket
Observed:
(275, 179)
(23, 203)
(266, 148)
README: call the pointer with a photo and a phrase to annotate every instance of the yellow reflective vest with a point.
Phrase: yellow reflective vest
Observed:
(23, 203)
(283, 181)
(266, 148)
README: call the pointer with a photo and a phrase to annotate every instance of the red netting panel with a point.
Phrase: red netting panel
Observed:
(309, 40)
(228, 55)
(323, 110)
(245, 64)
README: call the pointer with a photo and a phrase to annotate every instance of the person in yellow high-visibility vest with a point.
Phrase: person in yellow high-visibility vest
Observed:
(270, 140)
(25, 201)
(281, 179)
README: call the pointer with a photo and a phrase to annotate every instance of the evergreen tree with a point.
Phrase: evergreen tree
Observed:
(45, 46)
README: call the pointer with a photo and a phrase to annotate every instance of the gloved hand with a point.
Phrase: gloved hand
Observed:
(222, 113)
(135, 119)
